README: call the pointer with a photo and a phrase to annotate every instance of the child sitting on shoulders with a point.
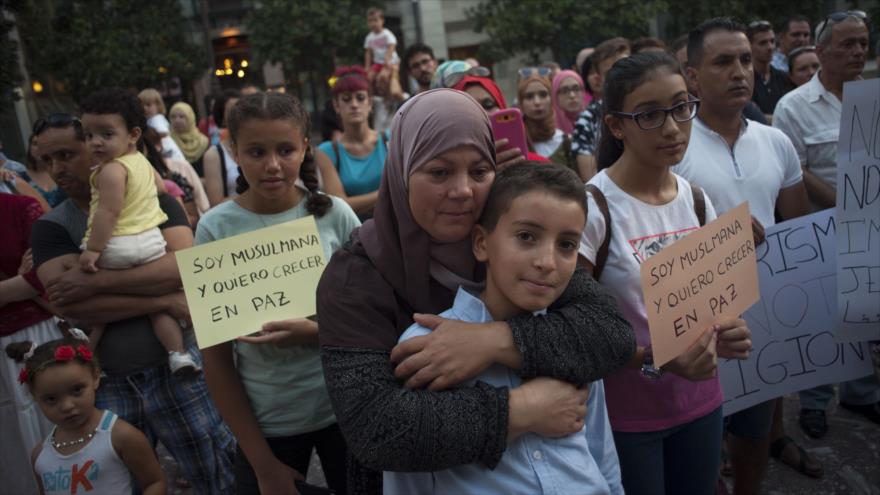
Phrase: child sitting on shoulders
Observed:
(88, 448)
(124, 214)
(380, 59)
(528, 237)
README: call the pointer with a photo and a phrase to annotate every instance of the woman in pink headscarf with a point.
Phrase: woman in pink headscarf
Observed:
(569, 99)
(405, 265)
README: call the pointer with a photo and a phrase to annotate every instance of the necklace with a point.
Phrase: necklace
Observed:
(82, 439)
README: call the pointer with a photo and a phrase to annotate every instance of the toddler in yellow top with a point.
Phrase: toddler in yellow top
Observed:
(124, 214)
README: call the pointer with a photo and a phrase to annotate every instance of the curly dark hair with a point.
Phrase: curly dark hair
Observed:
(116, 101)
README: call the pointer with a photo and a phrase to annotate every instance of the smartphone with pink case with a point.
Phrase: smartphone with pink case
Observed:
(508, 124)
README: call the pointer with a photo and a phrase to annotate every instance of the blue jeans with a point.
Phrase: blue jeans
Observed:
(681, 459)
(859, 392)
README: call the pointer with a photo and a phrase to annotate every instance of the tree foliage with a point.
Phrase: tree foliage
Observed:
(89, 44)
(564, 26)
(561, 26)
(681, 17)
(309, 35)
(10, 75)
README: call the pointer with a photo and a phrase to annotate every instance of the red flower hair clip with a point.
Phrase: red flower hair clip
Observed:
(64, 353)
(23, 376)
(84, 352)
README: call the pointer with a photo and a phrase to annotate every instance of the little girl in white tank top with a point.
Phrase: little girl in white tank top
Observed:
(89, 451)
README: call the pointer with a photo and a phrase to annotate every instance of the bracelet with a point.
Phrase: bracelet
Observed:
(649, 371)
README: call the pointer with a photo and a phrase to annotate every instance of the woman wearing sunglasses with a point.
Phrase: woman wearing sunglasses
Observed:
(351, 167)
(667, 422)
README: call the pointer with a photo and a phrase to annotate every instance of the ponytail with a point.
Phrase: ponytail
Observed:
(317, 203)
(147, 144)
(241, 184)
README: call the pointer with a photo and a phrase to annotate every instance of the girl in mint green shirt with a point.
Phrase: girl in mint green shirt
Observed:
(270, 388)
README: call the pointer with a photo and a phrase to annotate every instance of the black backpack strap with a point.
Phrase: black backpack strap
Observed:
(699, 204)
(602, 253)
(336, 157)
(223, 172)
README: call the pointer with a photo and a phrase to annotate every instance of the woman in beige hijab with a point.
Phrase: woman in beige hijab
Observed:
(189, 139)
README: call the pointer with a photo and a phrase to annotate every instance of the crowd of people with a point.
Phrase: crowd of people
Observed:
(480, 324)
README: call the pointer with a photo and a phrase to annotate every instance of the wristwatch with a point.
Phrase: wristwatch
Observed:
(648, 369)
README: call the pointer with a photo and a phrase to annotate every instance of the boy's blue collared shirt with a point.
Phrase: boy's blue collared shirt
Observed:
(585, 462)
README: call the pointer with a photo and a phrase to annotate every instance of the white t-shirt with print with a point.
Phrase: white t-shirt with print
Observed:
(640, 230)
(379, 43)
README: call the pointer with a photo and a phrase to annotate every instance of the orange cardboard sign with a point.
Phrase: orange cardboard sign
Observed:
(706, 277)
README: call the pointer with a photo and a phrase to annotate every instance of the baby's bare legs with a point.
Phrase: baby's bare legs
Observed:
(168, 332)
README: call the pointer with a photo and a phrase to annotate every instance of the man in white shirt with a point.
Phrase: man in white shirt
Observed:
(795, 33)
(734, 160)
(810, 116)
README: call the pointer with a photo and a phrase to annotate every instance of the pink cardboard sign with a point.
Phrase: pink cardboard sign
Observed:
(706, 277)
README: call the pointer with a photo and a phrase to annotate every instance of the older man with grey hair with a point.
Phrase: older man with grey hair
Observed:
(810, 116)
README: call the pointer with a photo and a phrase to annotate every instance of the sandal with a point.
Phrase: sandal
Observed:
(813, 422)
(778, 447)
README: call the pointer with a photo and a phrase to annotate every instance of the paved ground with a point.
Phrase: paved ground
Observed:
(850, 453)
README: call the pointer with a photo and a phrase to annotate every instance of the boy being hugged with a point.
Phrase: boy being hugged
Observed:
(528, 237)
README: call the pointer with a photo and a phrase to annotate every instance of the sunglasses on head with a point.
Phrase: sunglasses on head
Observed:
(456, 77)
(525, 72)
(54, 120)
(801, 49)
(840, 16)
(760, 25)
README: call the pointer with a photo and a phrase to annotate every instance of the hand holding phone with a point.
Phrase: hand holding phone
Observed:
(508, 124)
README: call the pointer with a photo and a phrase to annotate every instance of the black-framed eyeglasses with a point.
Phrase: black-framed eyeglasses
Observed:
(653, 119)
(840, 16)
(54, 120)
(456, 77)
(525, 72)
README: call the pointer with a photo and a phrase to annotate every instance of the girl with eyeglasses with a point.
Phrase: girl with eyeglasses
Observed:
(351, 166)
(569, 99)
(667, 422)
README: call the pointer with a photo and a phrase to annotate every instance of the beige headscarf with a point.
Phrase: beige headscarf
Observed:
(191, 142)
(428, 125)
(537, 130)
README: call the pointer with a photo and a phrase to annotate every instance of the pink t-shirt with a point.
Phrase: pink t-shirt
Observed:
(638, 230)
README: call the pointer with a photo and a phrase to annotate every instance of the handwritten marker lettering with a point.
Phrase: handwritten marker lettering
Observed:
(703, 278)
(235, 285)
(858, 214)
(793, 342)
